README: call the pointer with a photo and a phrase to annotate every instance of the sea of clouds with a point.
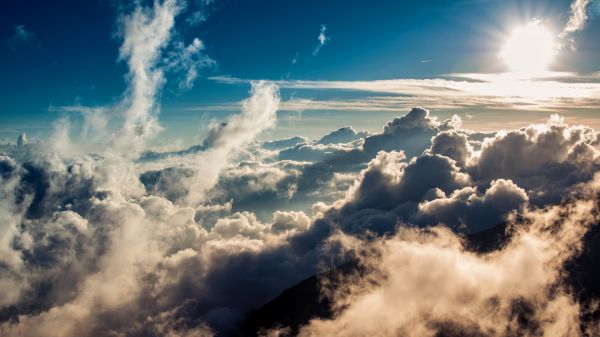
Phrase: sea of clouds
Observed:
(106, 237)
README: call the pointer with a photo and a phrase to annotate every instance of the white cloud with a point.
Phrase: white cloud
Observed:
(424, 283)
(145, 34)
(322, 39)
(188, 60)
(137, 263)
(258, 114)
(550, 92)
(577, 19)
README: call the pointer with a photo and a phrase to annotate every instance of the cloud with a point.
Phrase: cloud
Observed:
(22, 37)
(389, 182)
(322, 39)
(195, 171)
(454, 145)
(87, 258)
(345, 134)
(445, 181)
(75, 213)
(466, 210)
(411, 133)
(552, 91)
(258, 114)
(145, 34)
(153, 49)
(316, 152)
(188, 60)
(298, 173)
(295, 58)
(289, 221)
(550, 158)
(261, 188)
(424, 282)
(284, 143)
(577, 19)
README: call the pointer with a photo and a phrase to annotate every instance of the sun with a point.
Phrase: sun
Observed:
(529, 49)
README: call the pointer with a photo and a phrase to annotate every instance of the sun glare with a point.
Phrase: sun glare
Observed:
(529, 49)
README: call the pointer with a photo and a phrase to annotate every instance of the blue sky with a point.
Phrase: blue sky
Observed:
(66, 53)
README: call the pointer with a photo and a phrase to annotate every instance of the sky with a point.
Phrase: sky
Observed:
(66, 54)
(169, 166)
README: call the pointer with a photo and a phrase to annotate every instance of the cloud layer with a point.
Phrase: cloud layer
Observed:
(117, 240)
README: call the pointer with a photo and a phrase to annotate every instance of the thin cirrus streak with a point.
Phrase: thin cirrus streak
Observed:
(472, 89)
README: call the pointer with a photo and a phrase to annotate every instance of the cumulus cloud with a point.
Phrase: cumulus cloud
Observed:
(123, 256)
(454, 145)
(424, 282)
(453, 183)
(301, 172)
(467, 208)
(345, 134)
(389, 182)
(545, 159)
(141, 259)
(411, 133)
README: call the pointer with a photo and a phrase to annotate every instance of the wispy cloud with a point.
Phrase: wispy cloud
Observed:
(188, 60)
(21, 37)
(322, 39)
(295, 58)
(553, 91)
(577, 19)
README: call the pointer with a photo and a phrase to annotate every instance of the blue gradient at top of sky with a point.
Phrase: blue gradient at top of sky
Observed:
(70, 56)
